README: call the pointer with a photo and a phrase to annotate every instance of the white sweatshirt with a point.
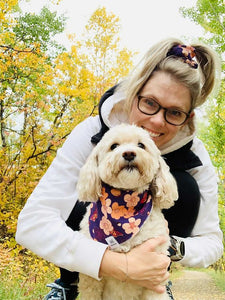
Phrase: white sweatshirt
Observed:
(41, 224)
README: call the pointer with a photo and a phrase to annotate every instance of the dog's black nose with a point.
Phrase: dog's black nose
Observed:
(129, 155)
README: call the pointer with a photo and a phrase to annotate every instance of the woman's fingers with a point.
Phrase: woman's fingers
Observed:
(154, 243)
(143, 265)
(147, 267)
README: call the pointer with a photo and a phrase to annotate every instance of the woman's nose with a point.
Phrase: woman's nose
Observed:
(158, 118)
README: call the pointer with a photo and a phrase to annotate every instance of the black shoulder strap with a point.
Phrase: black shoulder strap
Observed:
(97, 137)
(183, 158)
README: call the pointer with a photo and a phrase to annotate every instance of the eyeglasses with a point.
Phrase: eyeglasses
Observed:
(172, 116)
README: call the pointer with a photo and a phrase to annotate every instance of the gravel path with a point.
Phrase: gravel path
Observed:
(195, 285)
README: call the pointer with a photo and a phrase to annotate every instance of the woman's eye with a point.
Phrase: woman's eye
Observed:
(113, 146)
(140, 145)
(175, 113)
(148, 102)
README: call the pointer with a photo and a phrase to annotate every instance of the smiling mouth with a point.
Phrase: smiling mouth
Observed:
(152, 133)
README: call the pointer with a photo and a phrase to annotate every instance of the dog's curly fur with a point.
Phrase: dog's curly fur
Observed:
(107, 163)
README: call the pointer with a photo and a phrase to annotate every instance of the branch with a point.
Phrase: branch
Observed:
(216, 15)
(94, 107)
(62, 111)
(40, 153)
(2, 127)
(33, 140)
(13, 130)
(21, 169)
(7, 48)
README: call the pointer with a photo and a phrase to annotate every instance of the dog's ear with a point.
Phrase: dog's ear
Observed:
(164, 186)
(89, 182)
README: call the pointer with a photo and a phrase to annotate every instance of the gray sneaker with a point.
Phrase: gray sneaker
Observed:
(168, 289)
(61, 291)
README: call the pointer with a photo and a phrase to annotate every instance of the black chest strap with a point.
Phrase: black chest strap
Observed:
(98, 136)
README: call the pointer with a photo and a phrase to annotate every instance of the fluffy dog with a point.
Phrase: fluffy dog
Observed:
(129, 183)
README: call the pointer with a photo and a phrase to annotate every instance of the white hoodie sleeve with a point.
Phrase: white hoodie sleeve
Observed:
(205, 245)
(41, 224)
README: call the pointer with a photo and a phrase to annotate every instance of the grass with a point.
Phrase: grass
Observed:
(219, 279)
(15, 285)
(32, 287)
(20, 288)
(24, 276)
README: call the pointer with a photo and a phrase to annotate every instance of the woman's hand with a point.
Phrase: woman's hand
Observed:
(143, 265)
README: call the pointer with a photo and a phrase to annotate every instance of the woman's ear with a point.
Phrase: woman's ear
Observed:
(190, 122)
(192, 114)
(89, 182)
(189, 119)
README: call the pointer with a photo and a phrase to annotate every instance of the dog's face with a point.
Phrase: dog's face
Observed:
(127, 158)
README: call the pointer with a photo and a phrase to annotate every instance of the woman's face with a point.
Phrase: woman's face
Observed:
(169, 93)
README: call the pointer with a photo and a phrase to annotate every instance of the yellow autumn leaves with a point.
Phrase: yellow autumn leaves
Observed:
(44, 94)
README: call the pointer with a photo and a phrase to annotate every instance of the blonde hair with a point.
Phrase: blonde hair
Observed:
(200, 81)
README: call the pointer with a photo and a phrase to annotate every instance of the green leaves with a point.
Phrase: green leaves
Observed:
(210, 14)
(32, 29)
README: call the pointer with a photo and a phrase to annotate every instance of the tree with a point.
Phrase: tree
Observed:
(45, 91)
(210, 14)
(101, 44)
(32, 29)
(25, 79)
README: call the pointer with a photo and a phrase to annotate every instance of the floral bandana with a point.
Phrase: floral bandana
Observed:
(187, 53)
(118, 215)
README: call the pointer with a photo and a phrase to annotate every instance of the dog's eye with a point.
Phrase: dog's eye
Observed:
(140, 145)
(113, 146)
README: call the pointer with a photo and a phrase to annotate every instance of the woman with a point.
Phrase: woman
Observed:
(160, 96)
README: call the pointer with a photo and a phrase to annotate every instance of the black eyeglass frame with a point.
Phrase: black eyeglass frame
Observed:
(161, 107)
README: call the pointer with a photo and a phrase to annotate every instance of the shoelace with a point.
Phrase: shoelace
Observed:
(56, 287)
(169, 292)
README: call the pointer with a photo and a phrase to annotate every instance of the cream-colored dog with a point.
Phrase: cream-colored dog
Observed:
(125, 162)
